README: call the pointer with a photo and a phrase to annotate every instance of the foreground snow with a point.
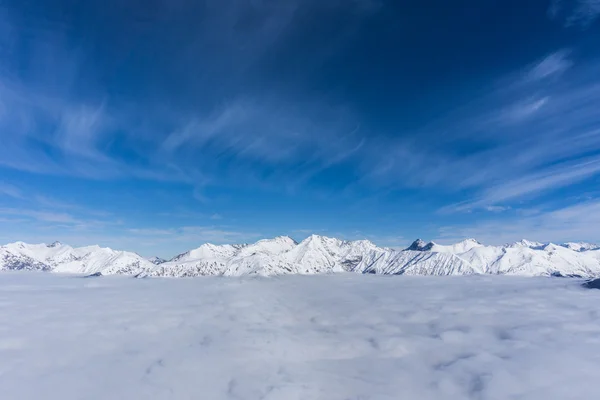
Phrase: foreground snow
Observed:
(315, 255)
(329, 337)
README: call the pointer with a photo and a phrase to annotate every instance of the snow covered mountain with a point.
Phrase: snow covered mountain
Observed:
(281, 255)
(469, 256)
(57, 257)
(315, 254)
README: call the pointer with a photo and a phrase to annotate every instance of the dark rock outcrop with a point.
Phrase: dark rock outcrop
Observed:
(593, 284)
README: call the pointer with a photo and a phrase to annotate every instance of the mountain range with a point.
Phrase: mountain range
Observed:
(314, 255)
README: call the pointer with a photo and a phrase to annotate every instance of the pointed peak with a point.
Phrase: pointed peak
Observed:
(286, 238)
(55, 244)
(315, 237)
(320, 241)
(156, 260)
(420, 245)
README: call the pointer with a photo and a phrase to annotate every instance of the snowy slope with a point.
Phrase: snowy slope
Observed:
(58, 257)
(520, 258)
(210, 259)
(281, 255)
(315, 255)
(318, 254)
(409, 262)
(208, 251)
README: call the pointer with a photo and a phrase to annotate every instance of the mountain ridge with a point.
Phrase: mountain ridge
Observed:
(314, 255)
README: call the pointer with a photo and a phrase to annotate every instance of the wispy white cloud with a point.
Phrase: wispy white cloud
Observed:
(523, 109)
(271, 132)
(46, 202)
(44, 216)
(520, 137)
(553, 65)
(31, 200)
(151, 231)
(10, 191)
(519, 141)
(191, 236)
(47, 212)
(587, 12)
(554, 178)
(581, 13)
(80, 136)
(304, 231)
(47, 127)
(183, 214)
(79, 130)
(37, 122)
(532, 184)
(497, 209)
(50, 125)
(200, 132)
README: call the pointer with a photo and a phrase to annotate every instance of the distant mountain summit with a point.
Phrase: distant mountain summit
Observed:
(156, 260)
(420, 245)
(315, 255)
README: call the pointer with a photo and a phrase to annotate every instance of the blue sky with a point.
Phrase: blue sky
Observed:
(158, 126)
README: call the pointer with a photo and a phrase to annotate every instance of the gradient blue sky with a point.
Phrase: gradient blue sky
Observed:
(155, 126)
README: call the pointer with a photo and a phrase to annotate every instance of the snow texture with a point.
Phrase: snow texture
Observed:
(325, 337)
(315, 255)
